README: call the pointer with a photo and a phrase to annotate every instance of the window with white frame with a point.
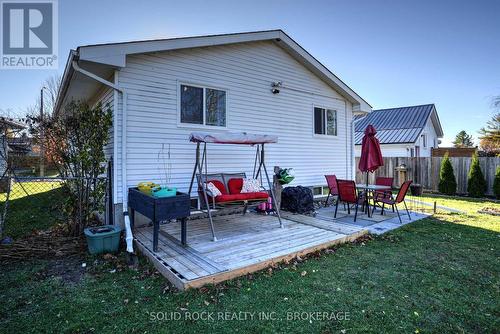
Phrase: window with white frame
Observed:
(325, 121)
(424, 140)
(202, 105)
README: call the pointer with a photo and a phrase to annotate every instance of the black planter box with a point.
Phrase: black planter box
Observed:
(416, 189)
(159, 209)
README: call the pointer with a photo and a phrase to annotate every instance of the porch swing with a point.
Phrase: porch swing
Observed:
(229, 185)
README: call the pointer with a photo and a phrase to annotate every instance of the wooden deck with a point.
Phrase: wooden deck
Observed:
(246, 244)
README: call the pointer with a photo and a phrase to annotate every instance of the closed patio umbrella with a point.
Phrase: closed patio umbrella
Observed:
(371, 156)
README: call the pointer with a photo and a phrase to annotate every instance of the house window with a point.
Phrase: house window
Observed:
(203, 106)
(317, 191)
(424, 140)
(325, 121)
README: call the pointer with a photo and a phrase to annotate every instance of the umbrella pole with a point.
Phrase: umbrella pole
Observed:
(366, 178)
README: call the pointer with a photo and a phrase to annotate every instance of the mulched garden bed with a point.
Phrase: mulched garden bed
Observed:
(490, 211)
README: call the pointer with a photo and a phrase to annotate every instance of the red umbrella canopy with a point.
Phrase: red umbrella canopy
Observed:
(371, 156)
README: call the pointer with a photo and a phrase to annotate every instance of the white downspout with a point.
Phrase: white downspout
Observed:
(128, 231)
(353, 158)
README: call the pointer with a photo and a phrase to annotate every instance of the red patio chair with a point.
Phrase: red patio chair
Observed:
(383, 181)
(394, 202)
(331, 181)
(347, 194)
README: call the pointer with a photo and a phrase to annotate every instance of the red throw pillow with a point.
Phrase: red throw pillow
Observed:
(219, 186)
(235, 185)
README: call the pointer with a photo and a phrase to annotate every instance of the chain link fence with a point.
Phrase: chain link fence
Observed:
(37, 203)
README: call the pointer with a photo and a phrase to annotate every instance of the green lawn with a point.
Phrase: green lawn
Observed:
(439, 275)
(32, 206)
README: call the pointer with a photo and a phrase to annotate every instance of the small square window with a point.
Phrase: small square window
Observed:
(317, 191)
(325, 121)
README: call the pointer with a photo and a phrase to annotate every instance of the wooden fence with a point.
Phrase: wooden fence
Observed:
(425, 171)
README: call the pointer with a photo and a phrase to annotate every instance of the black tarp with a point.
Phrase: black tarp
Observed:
(297, 199)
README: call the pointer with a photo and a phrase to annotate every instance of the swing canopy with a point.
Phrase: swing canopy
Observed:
(241, 138)
(230, 185)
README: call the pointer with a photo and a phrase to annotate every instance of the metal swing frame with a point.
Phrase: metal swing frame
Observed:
(200, 166)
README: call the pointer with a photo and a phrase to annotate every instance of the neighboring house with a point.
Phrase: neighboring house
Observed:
(20, 146)
(259, 82)
(8, 129)
(402, 132)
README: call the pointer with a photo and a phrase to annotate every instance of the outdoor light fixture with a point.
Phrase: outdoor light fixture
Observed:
(276, 86)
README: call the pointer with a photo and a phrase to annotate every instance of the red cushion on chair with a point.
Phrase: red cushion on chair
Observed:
(235, 185)
(241, 197)
(219, 185)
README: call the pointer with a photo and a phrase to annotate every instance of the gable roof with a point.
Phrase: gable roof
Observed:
(114, 56)
(398, 125)
(11, 123)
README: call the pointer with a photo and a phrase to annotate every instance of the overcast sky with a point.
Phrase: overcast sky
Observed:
(392, 53)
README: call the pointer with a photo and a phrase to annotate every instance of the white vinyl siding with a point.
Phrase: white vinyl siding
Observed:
(105, 97)
(152, 82)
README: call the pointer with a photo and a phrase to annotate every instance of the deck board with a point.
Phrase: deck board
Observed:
(246, 243)
(322, 223)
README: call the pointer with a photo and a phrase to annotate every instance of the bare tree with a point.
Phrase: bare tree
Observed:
(495, 102)
(50, 88)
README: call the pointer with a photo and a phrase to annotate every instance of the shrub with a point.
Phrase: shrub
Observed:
(447, 183)
(496, 183)
(74, 142)
(476, 184)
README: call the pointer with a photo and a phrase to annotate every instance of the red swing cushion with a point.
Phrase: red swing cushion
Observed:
(241, 197)
(235, 194)
(235, 185)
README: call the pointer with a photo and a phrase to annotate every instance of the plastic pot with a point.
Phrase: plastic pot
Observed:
(103, 239)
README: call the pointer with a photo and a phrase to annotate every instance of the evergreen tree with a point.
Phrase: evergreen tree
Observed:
(447, 183)
(476, 184)
(490, 136)
(496, 183)
(463, 139)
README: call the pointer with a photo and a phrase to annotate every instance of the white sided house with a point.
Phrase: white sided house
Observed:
(402, 132)
(260, 83)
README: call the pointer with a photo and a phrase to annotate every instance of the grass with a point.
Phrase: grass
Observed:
(439, 275)
(469, 205)
(32, 206)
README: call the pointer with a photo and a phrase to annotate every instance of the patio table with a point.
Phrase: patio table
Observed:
(371, 188)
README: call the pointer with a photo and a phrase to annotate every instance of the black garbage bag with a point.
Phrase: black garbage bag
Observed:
(297, 199)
